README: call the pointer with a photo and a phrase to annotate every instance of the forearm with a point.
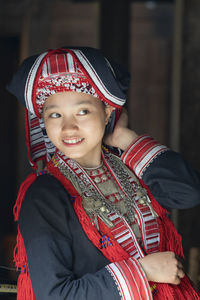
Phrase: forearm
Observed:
(124, 138)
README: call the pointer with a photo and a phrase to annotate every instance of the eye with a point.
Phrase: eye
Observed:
(83, 112)
(55, 115)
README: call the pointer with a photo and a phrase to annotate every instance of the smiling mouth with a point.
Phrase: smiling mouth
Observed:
(72, 141)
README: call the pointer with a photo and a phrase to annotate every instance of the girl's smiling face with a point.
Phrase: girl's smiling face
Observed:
(75, 123)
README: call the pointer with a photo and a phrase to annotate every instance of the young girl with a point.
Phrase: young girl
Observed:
(89, 225)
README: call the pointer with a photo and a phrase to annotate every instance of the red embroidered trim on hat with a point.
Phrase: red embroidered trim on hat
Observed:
(60, 73)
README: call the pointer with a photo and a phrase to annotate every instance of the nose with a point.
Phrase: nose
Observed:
(69, 124)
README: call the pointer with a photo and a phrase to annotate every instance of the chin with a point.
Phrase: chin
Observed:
(74, 156)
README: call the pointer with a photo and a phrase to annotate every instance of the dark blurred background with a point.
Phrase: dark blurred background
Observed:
(157, 41)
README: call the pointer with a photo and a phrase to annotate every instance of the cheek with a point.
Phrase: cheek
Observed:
(97, 128)
(51, 129)
(97, 124)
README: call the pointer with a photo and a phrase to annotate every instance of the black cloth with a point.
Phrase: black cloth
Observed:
(174, 184)
(63, 263)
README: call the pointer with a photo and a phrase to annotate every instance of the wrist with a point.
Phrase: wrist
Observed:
(127, 137)
(140, 261)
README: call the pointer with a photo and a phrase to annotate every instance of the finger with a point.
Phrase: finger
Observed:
(179, 265)
(176, 280)
(180, 273)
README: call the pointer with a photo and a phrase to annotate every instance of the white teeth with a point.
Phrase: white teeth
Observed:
(74, 141)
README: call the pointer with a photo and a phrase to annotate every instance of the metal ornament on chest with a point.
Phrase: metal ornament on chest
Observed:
(94, 202)
(96, 208)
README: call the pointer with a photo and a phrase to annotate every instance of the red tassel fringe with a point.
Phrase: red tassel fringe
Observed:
(24, 286)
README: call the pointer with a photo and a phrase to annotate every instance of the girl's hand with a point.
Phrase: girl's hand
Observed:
(122, 136)
(162, 267)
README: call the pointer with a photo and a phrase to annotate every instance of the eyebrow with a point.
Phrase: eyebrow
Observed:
(52, 106)
(84, 102)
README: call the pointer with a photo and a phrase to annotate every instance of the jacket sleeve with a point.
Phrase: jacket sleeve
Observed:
(170, 178)
(48, 241)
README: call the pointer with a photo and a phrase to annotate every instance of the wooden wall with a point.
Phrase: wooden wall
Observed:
(151, 33)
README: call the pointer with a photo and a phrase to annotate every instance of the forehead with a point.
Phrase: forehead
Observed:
(71, 99)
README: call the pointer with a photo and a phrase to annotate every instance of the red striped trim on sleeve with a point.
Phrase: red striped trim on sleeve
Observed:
(141, 153)
(130, 280)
